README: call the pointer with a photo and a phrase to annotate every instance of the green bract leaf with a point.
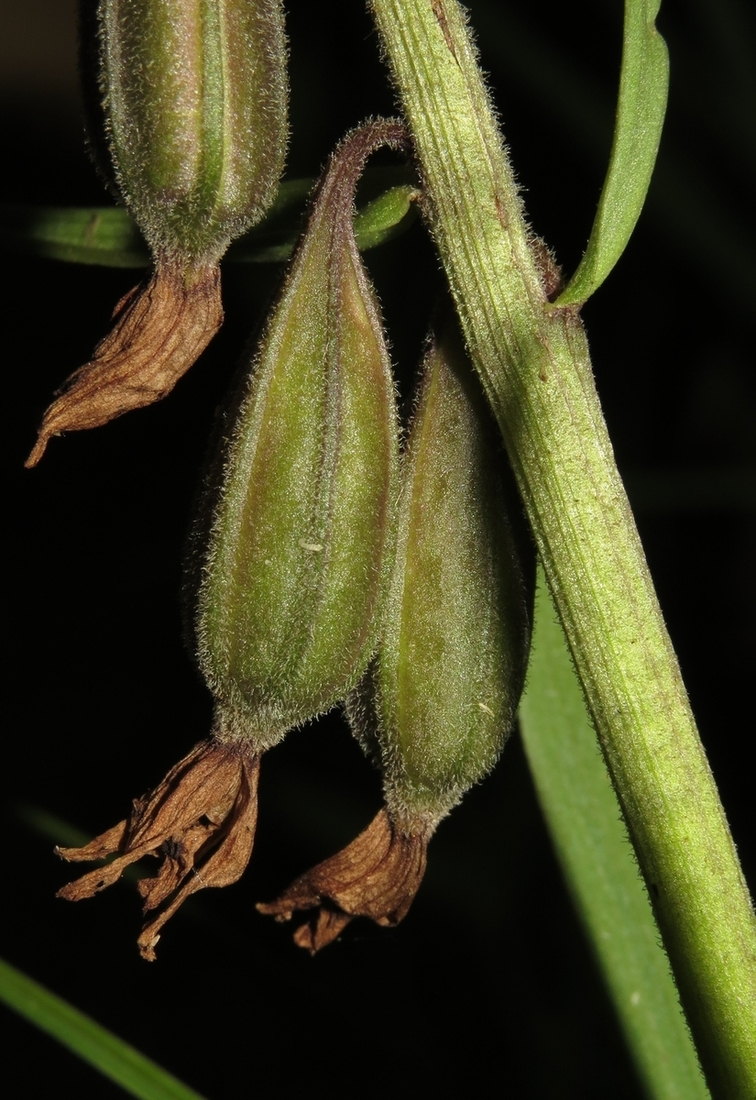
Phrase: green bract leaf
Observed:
(92, 1043)
(586, 826)
(109, 237)
(640, 115)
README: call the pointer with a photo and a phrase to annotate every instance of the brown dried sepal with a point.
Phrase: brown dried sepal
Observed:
(375, 876)
(160, 329)
(201, 820)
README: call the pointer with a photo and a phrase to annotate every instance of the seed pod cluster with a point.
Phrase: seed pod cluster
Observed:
(310, 569)
(440, 700)
(298, 560)
(194, 98)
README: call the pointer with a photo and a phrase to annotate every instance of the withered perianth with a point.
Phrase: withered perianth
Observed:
(200, 821)
(160, 328)
(375, 876)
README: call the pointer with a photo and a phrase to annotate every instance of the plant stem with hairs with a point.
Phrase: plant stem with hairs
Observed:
(533, 360)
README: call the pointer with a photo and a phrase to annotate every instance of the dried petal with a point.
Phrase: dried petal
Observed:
(375, 876)
(228, 857)
(201, 819)
(161, 328)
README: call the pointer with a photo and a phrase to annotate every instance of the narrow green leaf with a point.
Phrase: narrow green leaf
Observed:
(641, 107)
(586, 826)
(101, 235)
(52, 827)
(93, 1044)
(108, 236)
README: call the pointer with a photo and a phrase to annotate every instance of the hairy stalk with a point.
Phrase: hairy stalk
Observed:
(534, 363)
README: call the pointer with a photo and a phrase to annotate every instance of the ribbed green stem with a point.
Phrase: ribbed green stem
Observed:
(534, 363)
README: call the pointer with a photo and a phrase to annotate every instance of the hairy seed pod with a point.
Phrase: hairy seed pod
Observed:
(297, 565)
(455, 645)
(299, 557)
(440, 700)
(194, 101)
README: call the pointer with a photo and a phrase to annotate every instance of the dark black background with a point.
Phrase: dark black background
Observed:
(488, 987)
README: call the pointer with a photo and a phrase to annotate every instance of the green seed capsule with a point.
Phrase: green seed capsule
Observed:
(440, 700)
(195, 106)
(299, 548)
(454, 650)
(194, 101)
(299, 557)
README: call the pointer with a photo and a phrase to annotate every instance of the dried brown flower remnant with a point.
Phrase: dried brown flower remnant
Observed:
(188, 122)
(375, 876)
(201, 820)
(160, 329)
